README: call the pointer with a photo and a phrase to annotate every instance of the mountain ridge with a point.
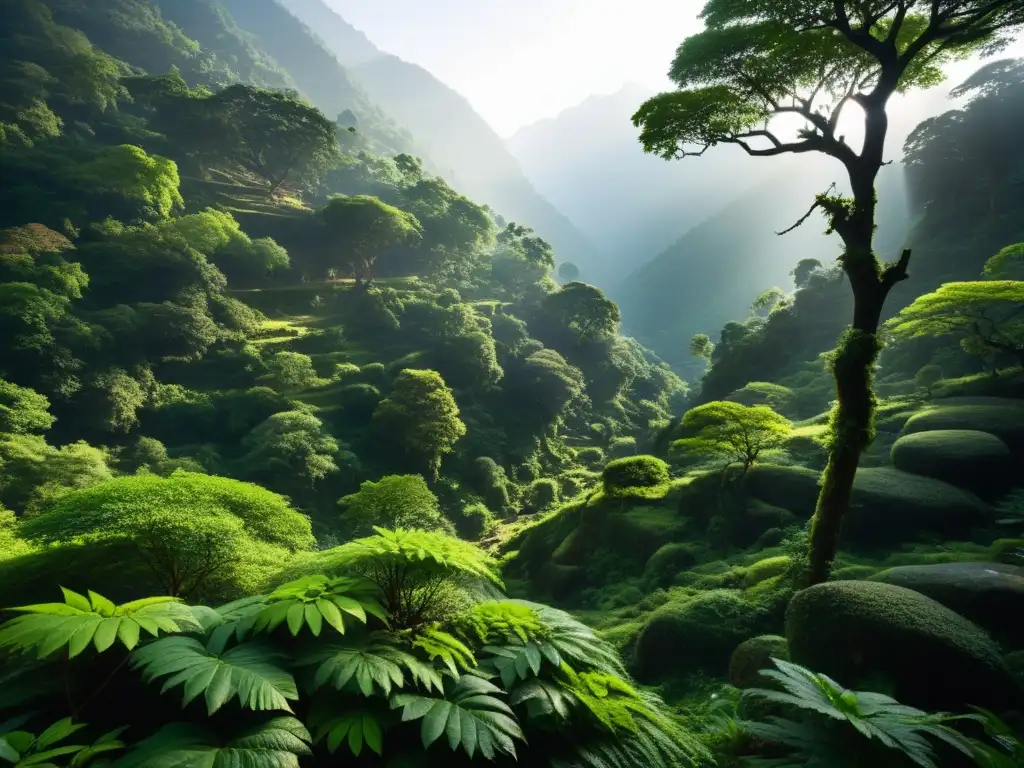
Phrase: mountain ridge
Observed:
(461, 146)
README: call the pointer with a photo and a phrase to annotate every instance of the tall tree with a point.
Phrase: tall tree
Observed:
(760, 60)
(362, 226)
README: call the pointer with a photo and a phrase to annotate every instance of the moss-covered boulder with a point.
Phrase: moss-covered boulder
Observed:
(661, 567)
(889, 507)
(753, 655)
(989, 594)
(966, 458)
(792, 488)
(696, 633)
(936, 659)
(1003, 418)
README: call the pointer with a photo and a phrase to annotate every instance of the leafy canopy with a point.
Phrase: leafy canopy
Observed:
(731, 431)
(394, 501)
(986, 315)
(760, 59)
(421, 417)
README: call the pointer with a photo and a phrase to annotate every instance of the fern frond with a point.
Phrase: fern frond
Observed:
(499, 622)
(246, 671)
(368, 665)
(26, 750)
(425, 551)
(575, 641)
(80, 620)
(543, 699)
(439, 645)
(276, 743)
(232, 621)
(471, 716)
(873, 715)
(313, 601)
(518, 661)
(355, 728)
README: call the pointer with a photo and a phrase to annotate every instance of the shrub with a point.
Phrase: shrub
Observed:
(753, 655)
(472, 521)
(395, 501)
(375, 373)
(591, 457)
(619, 447)
(636, 475)
(663, 565)
(542, 494)
(700, 633)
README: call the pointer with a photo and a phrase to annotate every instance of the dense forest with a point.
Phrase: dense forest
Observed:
(313, 449)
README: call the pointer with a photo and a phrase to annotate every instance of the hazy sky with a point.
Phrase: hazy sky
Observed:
(519, 61)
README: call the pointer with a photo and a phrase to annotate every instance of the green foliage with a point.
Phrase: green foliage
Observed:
(871, 716)
(248, 671)
(34, 473)
(361, 226)
(473, 520)
(395, 501)
(636, 476)
(80, 621)
(1008, 264)
(731, 431)
(194, 533)
(26, 749)
(317, 600)
(274, 743)
(421, 418)
(22, 410)
(580, 311)
(701, 346)
(471, 717)
(289, 449)
(983, 315)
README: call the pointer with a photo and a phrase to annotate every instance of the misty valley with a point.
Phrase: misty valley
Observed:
(681, 428)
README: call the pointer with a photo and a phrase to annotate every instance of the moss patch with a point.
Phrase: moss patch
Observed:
(1004, 419)
(854, 630)
(970, 459)
(697, 633)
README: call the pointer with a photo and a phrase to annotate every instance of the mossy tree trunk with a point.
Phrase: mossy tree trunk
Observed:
(853, 361)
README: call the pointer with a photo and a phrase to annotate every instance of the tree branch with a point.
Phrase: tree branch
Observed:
(806, 216)
(896, 271)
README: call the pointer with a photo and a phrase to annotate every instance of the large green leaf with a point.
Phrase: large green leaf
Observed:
(79, 621)
(313, 601)
(337, 722)
(520, 661)
(471, 717)
(247, 671)
(371, 665)
(277, 743)
(543, 699)
(26, 750)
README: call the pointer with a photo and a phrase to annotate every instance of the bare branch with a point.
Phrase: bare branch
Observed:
(806, 216)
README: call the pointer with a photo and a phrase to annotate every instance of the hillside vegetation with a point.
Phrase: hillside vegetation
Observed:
(306, 456)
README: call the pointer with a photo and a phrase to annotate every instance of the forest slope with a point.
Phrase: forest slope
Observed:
(459, 145)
